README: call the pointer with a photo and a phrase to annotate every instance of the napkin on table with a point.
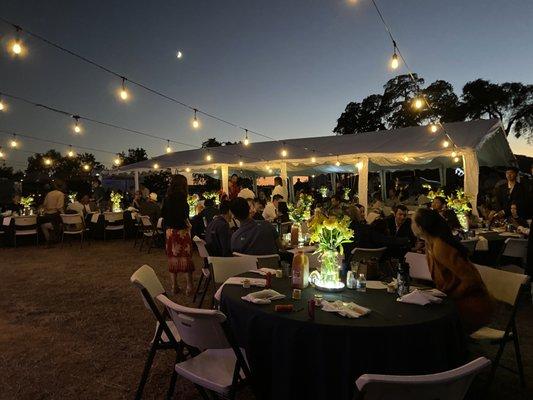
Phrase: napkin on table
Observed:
(350, 310)
(263, 296)
(6, 221)
(234, 280)
(263, 271)
(422, 297)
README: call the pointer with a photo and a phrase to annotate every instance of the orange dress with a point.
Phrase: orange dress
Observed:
(460, 280)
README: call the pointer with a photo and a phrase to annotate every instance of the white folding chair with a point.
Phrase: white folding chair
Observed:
(73, 224)
(360, 253)
(418, 266)
(262, 261)
(470, 245)
(217, 363)
(226, 267)
(26, 226)
(147, 230)
(114, 222)
(206, 272)
(448, 385)
(505, 287)
(166, 334)
(515, 248)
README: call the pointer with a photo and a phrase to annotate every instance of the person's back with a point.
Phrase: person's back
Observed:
(54, 202)
(151, 209)
(218, 233)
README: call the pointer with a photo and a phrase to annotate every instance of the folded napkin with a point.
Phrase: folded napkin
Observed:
(7, 213)
(94, 217)
(422, 297)
(264, 271)
(349, 310)
(482, 244)
(375, 285)
(7, 221)
(263, 296)
(234, 280)
(510, 234)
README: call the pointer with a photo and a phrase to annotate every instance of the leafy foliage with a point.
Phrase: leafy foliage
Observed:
(134, 155)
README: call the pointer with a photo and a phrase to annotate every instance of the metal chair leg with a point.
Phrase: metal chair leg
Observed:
(518, 357)
(146, 370)
(208, 280)
(173, 378)
(496, 361)
(198, 288)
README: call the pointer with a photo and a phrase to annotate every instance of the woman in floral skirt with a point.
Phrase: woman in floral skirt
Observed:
(175, 213)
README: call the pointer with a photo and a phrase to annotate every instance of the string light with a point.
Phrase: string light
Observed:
(405, 158)
(70, 152)
(208, 157)
(270, 171)
(117, 161)
(156, 166)
(123, 92)
(77, 127)
(187, 169)
(47, 161)
(14, 142)
(338, 163)
(417, 103)
(394, 62)
(215, 171)
(456, 159)
(284, 153)
(1, 153)
(179, 55)
(195, 122)
(433, 128)
(169, 149)
(313, 159)
(16, 47)
(86, 167)
(454, 154)
(2, 105)
(240, 163)
(246, 139)
(445, 143)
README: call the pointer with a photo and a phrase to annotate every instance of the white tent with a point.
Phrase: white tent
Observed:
(479, 143)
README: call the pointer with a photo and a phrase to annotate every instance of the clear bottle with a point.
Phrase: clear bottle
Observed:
(361, 283)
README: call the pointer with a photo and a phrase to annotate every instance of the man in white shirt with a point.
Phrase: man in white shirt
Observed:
(279, 189)
(270, 213)
(246, 194)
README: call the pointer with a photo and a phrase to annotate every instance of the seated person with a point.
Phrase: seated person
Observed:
(259, 207)
(218, 232)
(14, 206)
(452, 272)
(252, 237)
(246, 193)
(204, 216)
(53, 205)
(336, 206)
(439, 204)
(392, 199)
(270, 213)
(283, 212)
(76, 205)
(137, 200)
(399, 225)
(151, 208)
(515, 219)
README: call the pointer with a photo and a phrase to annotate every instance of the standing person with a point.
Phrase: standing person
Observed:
(279, 189)
(452, 272)
(53, 206)
(175, 213)
(98, 192)
(233, 187)
(511, 193)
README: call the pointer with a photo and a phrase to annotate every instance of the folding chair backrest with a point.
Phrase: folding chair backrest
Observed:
(114, 216)
(200, 245)
(515, 248)
(448, 385)
(26, 221)
(418, 266)
(470, 245)
(226, 267)
(71, 219)
(504, 286)
(197, 327)
(160, 223)
(360, 253)
(262, 261)
(146, 221)
(145, 278)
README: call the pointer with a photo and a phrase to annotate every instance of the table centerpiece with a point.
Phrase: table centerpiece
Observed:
(298, 214)
(116, 200)
(192, 200)
(27, 202)
(460, 203)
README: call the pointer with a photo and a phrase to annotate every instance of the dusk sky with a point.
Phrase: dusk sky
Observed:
(284, 68)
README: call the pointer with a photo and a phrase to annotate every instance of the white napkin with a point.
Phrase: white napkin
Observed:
(263, 296)
(350, 310)
(375, 285)
(482, 244)
(234, 280)
(7, 221)
(7, 213)
(263, 271)
(510, 234)
(422, 297)
(94, 217)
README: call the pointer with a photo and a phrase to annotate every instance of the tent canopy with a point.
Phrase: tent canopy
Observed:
(405, 148)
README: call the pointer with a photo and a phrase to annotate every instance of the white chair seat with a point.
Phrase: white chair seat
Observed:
(73, 232)
(212, 369)
(26, 232)
(114, 227)
(148, 234)
(487, 333)
(164, 336)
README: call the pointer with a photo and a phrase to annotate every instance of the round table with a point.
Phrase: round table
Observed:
(292, 357)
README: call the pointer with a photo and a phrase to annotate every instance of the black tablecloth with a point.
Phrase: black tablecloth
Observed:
(294, 358)
(97, 229)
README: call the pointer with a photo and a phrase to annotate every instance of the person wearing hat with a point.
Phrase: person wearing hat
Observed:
(511, 192)
(151, 208)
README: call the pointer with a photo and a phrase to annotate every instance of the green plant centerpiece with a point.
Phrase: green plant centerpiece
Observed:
(329, 233)
(460, 203)
(323, 191)
(347, 193)
(192, 200)
(212, 195)
(116, 200)
(27, 202)
(72, 197)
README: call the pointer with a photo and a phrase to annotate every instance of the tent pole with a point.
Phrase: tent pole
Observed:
(442, 174)
(225, 178)
(471, 178)
(136, 179)
(383, 179)
(254, 185)
(284, 175)
(333, 182)
(362, 166)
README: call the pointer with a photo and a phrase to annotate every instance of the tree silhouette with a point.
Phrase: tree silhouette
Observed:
(133, 156)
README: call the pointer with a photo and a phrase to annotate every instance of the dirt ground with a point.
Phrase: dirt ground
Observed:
(73, 327)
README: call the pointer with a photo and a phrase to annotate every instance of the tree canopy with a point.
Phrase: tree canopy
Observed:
(511, 102)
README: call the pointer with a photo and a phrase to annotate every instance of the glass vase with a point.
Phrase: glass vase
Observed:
(329, 267)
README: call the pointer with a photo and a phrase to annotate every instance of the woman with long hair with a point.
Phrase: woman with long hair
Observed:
(451, 270)
(175, 213)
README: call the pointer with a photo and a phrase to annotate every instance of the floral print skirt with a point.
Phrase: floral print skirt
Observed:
(179, 250)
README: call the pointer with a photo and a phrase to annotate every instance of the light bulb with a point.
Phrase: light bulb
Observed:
(313, 159)
(156, 166)
(246, 141)
(240, 163)
(187, 169)
(208, 157)
(433, 128)
(86, 167)
(117, 161)
(1, 154)
(179, 54)
(394, 63)
(454, 154)
(417, 104)
(338, 163)
(14, 143)
(124, 94)
(2, 107)
(313, 176)
(215, 171)
(169, 149)
(77, 129)
(456, 159)
(47, 161)
(270, 171)
(17, 47)
(267, 167)
(405, 158)
(70, 153)
(445, 144)
(284, 153)
(195, 122)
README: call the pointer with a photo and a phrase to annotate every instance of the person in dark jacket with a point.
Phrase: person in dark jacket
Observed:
(512, 192)
(399, 225)
(218, 232)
